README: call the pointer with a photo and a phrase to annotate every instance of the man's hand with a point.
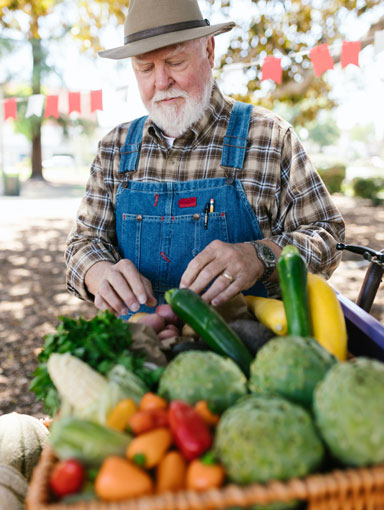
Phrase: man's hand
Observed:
(231, 268)
(119, 287)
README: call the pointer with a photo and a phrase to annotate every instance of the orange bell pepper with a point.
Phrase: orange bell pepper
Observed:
(149, 448)
(149, 419)
(210, 418)
(201, 477)
(120, 479)
(170, 473)
(152, 401)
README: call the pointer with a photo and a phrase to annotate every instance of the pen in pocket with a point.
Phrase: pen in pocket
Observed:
(206, 212)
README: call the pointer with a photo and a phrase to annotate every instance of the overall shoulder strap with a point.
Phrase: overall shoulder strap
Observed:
(235, 140)
(130, 151)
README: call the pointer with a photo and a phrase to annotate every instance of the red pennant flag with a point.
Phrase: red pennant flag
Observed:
(321, 59)
(350, 53)
(74, 102)
(272, 69)
(96, 100)
(52, 107)
(10, 108)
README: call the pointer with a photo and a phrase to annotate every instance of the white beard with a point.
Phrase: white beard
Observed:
(174, 120)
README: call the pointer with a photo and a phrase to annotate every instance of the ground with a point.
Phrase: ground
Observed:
(32, 288)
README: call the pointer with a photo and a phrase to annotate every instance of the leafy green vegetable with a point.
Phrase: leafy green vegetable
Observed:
(86, 441)
(102, 342)
(128, 382)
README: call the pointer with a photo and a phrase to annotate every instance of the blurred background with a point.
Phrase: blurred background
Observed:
(58, 98)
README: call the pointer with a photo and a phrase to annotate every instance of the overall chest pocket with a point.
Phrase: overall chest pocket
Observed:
(162, 246)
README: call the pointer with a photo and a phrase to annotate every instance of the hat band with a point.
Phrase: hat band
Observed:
(165, 29)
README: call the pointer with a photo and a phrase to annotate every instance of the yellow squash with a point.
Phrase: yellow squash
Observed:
(269, 312)
(327, 318)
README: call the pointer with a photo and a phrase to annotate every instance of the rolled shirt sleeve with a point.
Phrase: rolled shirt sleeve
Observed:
(93, 238)
(304, 213)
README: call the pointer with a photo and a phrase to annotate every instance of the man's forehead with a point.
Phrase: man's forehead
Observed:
(166, 52)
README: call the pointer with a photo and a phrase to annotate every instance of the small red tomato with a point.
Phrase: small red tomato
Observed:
(67, 477)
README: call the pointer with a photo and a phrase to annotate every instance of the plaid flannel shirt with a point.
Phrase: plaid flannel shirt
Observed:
(286, 193)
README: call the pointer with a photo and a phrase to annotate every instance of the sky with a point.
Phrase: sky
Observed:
(359, 90)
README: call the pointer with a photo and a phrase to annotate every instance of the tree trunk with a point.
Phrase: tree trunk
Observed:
(37, 55)
(37, 169)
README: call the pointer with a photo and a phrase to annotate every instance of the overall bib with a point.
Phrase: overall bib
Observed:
(161, 226)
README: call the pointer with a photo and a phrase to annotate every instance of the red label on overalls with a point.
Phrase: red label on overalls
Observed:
(187, 202)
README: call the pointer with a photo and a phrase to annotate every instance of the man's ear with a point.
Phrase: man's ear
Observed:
(211, 50)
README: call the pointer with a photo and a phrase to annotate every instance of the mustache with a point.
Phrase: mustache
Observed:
(168, 94)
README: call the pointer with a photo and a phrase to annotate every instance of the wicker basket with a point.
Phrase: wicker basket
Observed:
(350, 489)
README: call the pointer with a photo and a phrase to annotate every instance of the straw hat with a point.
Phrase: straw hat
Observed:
(153, 24)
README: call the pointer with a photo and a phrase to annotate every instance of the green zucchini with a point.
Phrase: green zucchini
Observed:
(209, 325)
(292, 271)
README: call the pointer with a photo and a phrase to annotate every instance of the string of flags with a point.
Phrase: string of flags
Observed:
(271, 69)
(49, 105)
(320, 56)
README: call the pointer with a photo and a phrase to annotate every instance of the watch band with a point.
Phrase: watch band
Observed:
(266, 255)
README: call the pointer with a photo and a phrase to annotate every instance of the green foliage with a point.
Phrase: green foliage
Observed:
(28, 21)
(102, 342)
(281, 28)
(333, 177)
(362, 132)
(26, 126)
(370, 188)
(324, 132)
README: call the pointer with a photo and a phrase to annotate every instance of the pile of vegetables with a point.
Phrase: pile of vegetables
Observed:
(272, 398)
(167, 448)
(102, 342)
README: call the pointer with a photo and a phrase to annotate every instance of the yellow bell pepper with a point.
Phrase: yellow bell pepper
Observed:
(119, 417)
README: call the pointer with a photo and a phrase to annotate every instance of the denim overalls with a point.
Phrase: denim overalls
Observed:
(161, 226)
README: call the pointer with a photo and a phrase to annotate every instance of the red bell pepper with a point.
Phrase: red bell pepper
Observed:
(190, 433)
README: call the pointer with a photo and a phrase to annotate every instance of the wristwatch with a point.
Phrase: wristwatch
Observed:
(266, 256)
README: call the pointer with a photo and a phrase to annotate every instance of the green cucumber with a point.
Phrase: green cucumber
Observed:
(292, 271)
(210, 325)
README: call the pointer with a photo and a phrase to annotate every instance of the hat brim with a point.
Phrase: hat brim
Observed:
(154, 43)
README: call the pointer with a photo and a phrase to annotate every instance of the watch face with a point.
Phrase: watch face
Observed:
(268, 254)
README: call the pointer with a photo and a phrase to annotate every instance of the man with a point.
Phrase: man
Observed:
(204, 193)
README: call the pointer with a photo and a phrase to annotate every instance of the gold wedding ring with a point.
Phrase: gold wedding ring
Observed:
(227, 276)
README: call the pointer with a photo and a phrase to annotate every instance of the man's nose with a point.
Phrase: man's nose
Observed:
(163, 79)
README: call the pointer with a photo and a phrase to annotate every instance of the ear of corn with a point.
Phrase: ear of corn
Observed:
(327, 318)
(76, 381)
(269, 312)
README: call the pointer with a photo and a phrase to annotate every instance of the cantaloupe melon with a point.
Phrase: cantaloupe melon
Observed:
(22, 438)
(13, 488)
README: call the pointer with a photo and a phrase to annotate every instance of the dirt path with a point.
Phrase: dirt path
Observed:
(32, 287)
(364, 226)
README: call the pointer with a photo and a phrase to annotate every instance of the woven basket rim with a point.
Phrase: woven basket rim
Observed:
(349, 486)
